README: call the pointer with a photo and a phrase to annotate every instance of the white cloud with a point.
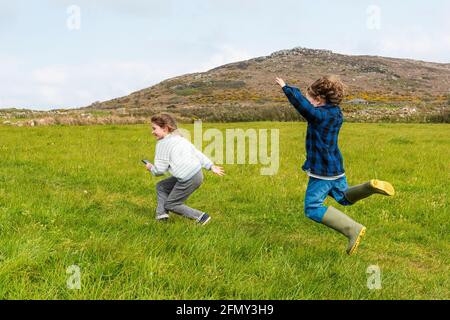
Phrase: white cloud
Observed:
(76, 85)
(416, 43)
(225, 54)
(63, 86)
(50, 93)
(50, 75)
(412, 43)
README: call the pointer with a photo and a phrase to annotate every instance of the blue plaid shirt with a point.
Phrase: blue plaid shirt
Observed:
(322, 152)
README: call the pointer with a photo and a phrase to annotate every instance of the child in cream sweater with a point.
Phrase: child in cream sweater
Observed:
(179, 157)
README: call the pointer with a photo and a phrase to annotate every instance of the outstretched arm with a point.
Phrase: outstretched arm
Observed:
(300, 103)
(204, 160)
(218, 170)
(207, 163)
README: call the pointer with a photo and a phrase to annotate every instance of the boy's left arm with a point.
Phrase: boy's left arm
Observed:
(302, 105)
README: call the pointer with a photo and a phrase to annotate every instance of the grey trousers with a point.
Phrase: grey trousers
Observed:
(172, 194)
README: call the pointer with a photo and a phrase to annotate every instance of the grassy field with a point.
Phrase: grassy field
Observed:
(80, 196)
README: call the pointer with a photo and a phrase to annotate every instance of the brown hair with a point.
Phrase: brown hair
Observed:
(329, 88)
(165, 120)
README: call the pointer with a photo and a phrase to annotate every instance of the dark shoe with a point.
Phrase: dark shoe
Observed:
(204, 219)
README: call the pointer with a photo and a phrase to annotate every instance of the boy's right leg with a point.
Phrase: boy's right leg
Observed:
(362, 191)
(316, 193)
(163, 189)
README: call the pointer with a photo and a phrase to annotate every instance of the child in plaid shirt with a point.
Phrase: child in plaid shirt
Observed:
(324, 163)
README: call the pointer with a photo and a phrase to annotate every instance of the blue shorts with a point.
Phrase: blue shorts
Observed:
(318, 190)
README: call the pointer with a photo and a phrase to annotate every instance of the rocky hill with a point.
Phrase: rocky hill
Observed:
(378, 89)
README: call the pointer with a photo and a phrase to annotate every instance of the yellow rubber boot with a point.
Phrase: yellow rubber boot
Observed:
(362, 191)
(342, 223)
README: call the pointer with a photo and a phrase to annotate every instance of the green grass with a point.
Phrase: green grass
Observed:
(80, 196)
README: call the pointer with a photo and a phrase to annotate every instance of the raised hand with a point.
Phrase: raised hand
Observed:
(280, 82)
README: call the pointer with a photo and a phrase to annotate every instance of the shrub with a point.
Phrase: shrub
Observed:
(442, 117)
(186, 92)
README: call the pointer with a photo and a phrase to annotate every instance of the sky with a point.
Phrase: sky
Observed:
(67, 54)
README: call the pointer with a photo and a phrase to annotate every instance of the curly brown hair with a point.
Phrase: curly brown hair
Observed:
(329, 88)
(165, 120)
